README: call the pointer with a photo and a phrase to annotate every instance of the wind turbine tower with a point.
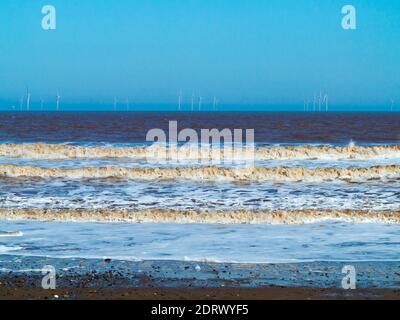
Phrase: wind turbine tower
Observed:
(315, 102)
(179, 100)
(200, 101)
(28, 99)
(192, 101)
(127, 104)
(115, 104)
(320, 101)
(326, 100)
(58, 101)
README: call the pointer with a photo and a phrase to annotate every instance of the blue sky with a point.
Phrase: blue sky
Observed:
(271, 53)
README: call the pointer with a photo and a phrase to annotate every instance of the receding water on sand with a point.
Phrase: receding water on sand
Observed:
(323, 241)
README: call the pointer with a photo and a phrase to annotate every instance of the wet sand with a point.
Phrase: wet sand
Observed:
(97, 279)
(268, 293)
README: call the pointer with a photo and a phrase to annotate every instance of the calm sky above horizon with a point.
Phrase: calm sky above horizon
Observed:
(269, 53)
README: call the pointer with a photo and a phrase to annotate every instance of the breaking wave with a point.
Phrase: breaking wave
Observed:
(210, 173)
(63, 151)
(11, 234)
(240, 216)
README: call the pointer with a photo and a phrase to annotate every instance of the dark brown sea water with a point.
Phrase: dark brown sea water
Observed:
(270, 128)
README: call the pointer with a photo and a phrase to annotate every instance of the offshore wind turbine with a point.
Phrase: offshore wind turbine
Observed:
(214, 103)
(326, 101)
(200, 101)
(320, 101)
(192, 101)
(127, 104)
(41, 105)
(58, 97)
(315, 102)
(392, 105)
(28, 99)
(179, 100)
(115, 104)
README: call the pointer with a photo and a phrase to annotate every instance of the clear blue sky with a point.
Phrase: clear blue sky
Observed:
(269, 53)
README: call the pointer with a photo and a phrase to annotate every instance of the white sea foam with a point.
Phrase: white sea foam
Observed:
(62, 151)
(237, 216)
(140, 195)
(212, 173)
(9, 249)
(11, 234)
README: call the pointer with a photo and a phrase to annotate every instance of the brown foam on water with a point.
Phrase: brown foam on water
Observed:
(202, 216)
(318, 152)
(62, 151)
(210, 173)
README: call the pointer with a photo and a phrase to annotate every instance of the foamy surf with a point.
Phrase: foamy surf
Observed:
(210, 173)
(11, 234)
(240, 216)
(63, 151)
(9, 249)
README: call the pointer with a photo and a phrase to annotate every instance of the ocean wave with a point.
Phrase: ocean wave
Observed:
(9, 249)
(65, 151)
(210, 173)
(240, 216)
(11, 234)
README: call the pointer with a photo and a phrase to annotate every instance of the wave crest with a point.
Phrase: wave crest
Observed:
(201, 216)
(62, 151)
(212, 173)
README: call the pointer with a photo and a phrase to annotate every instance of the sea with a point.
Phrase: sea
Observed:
(321, 187)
